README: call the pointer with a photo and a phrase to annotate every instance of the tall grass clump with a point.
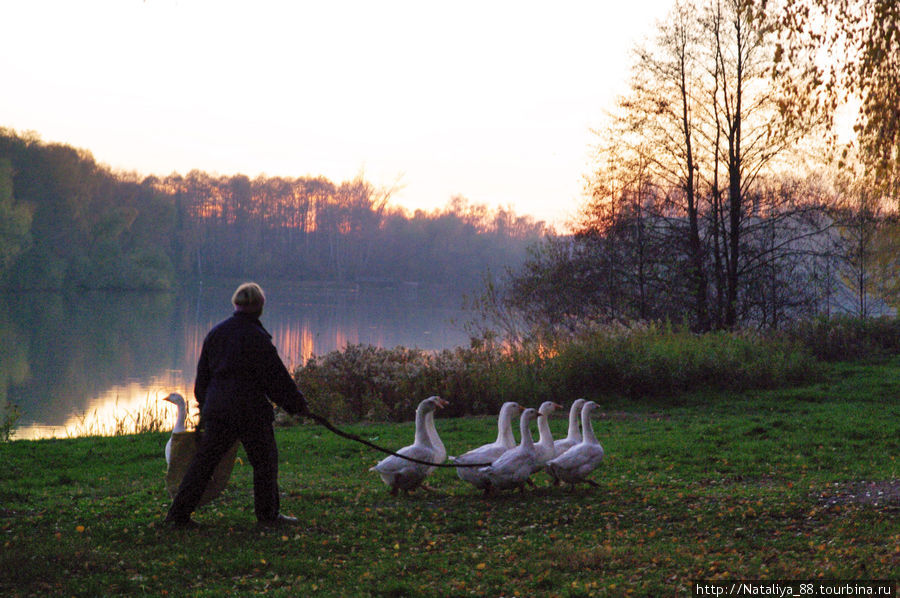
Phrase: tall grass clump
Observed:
(146, 418)
(658, 360)
(9, 417)
(846, 338)
(365, 382)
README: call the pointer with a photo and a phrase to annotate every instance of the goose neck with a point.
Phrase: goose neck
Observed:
(180, 418)
(422, 435)
(573, 432)
(587, 428)
(544, 430)
(432, 432)
(525, 431)
(504, 430)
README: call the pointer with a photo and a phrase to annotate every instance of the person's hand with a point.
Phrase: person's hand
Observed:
(199, 431)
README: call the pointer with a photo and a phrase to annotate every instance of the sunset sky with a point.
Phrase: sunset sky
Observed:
(492, 100)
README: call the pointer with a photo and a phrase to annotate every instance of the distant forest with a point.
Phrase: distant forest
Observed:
(68, 222)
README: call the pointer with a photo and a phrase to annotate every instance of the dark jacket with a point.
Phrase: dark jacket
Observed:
(239, 372)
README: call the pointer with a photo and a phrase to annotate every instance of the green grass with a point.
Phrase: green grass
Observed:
(759, 485)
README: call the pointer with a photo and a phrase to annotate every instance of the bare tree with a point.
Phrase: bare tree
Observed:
(746, 125)
(701, 127)
(660, 117)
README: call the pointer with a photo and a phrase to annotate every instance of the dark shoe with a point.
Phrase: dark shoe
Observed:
(181, 524)
(280, 521)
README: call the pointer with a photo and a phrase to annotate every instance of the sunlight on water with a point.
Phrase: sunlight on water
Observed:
(80, 372)
(127, 409)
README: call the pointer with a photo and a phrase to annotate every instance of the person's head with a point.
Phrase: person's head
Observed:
(249, 298)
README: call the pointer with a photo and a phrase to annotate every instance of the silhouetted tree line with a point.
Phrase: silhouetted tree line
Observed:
(70, 222)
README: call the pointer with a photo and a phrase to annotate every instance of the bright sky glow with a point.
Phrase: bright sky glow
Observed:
(488, 99)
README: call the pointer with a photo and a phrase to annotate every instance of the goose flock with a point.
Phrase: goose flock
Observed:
(500, 465)
(505, 465)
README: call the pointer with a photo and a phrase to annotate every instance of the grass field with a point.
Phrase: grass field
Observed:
(801, 483)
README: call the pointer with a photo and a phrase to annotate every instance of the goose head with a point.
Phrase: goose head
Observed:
(175, 398)
(510, 409)
(548, 407)
(181, 417)
(530, 414)
(577, 404)
(431, 404)
(589, 407)
(425, 410)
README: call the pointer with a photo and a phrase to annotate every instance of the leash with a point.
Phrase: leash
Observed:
(324, 422)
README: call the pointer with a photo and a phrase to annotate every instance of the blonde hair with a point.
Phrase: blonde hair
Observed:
(249, 297)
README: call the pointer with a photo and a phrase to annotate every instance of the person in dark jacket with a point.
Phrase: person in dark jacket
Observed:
(239, 375)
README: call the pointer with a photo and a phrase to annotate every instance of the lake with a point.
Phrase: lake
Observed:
(94, 361)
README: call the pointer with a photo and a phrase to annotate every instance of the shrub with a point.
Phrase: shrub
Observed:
(9, 417)
(847, 338)
(365, 382)
(658, 361)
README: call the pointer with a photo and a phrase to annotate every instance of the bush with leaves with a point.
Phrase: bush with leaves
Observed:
(9, 416)
(654, 361)
(364, 382)
(848, 338)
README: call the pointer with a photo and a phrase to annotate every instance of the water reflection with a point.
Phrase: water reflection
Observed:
(92, 364)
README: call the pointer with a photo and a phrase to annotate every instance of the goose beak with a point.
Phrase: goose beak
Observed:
(441, 403)
(557, 405)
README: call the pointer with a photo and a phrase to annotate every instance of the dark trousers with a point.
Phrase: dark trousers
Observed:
(258, 439)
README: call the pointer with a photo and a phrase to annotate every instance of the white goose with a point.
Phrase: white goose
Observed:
(401, 474)
(488, 453)
(575, 464)
(512, 468)
(180, 419)
(545, 447)
(574, 435)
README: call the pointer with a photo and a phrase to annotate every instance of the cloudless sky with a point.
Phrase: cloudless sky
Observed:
(492, 100)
